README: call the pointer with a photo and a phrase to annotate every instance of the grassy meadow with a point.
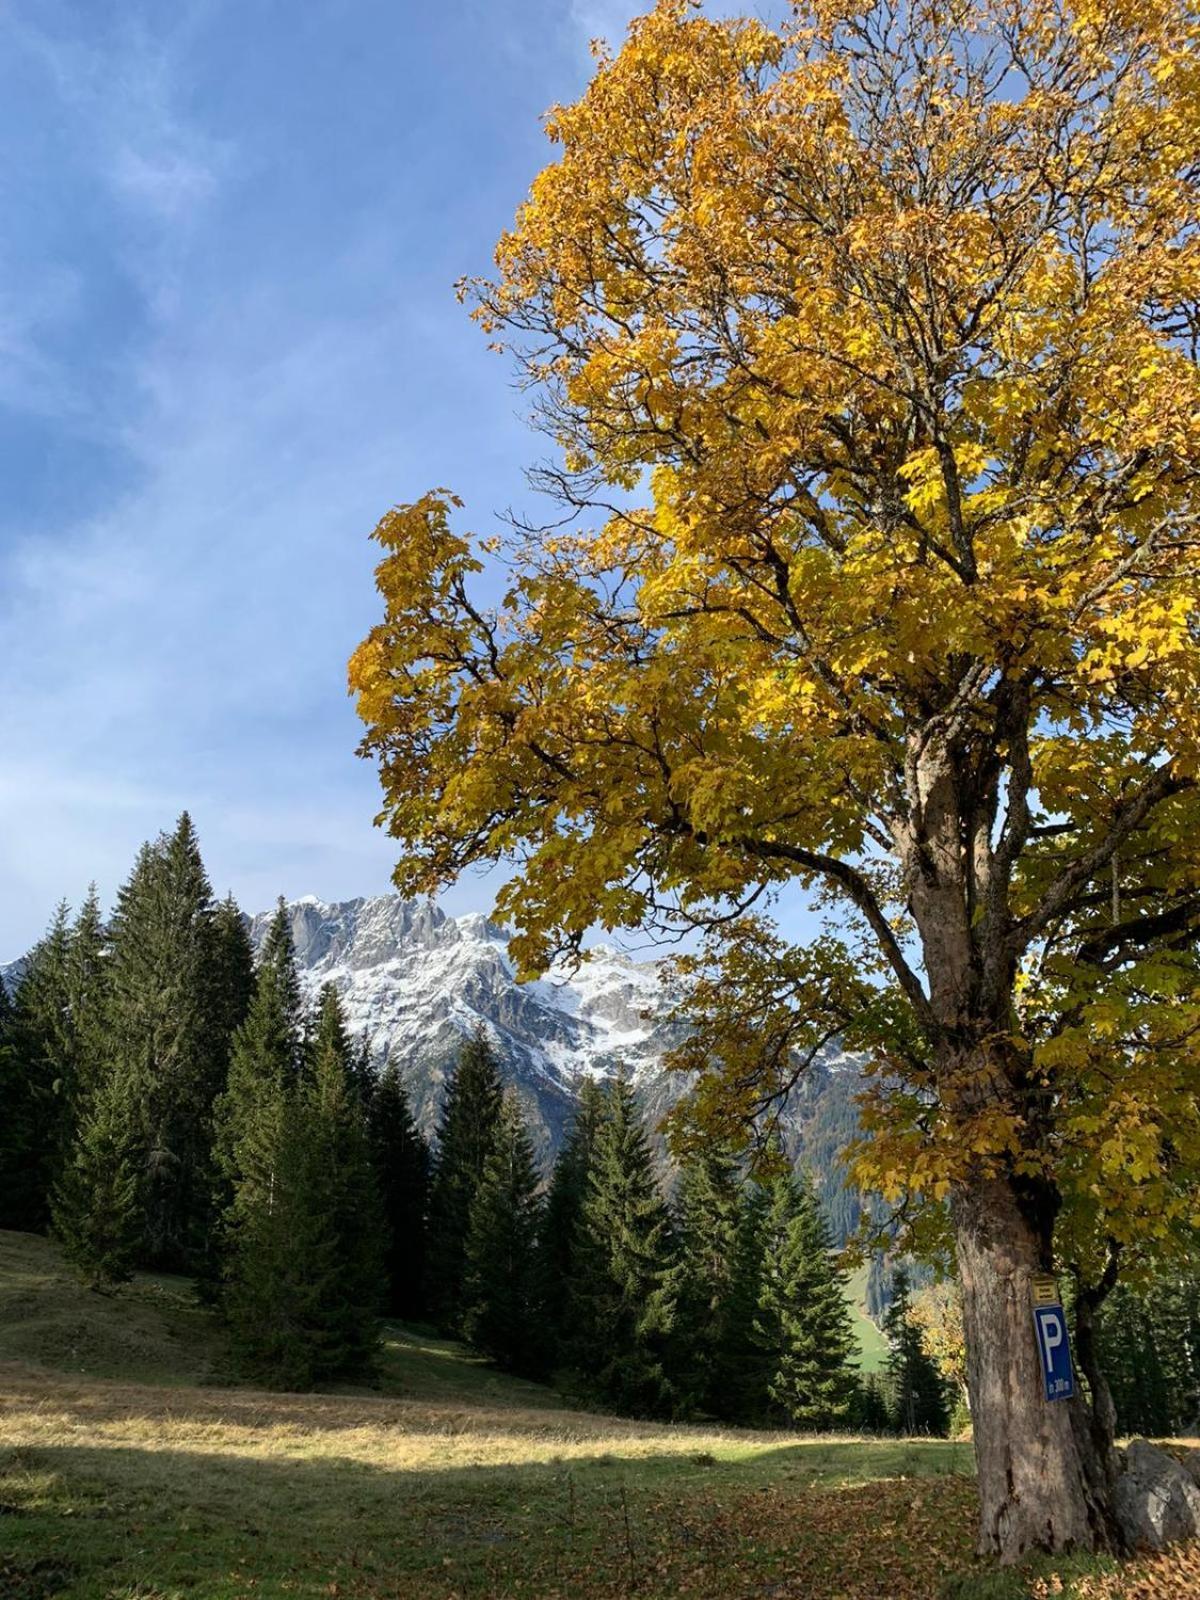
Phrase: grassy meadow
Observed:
(132, 1468)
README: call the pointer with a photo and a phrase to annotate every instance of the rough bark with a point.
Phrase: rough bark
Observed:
(1038, 1490)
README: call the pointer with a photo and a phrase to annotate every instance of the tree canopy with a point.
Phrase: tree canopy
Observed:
(867, 344)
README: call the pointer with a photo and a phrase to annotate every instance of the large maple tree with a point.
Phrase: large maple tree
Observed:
(868, 344)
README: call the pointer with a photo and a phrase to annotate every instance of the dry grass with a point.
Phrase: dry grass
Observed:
(129, 1489)
(132, 1476)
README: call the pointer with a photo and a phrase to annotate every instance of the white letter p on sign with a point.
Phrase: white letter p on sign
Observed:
(1052, 1336)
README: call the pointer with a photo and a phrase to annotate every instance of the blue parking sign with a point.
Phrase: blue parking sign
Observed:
(1055, 1351)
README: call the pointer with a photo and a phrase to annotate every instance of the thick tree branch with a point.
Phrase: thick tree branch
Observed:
(852, 883)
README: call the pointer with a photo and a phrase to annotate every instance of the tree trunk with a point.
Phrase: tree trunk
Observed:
(1037, 1489)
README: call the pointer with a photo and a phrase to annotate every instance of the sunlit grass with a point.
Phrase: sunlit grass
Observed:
(122, 1477)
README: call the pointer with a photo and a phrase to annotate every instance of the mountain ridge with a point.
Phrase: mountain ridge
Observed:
(418, 981)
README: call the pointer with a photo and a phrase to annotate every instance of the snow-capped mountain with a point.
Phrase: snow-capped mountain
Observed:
(417, 982)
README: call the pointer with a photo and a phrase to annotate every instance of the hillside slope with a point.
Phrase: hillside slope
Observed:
(119, 1477)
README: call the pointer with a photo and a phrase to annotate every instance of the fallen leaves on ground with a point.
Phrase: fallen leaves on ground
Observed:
(1173, 1575)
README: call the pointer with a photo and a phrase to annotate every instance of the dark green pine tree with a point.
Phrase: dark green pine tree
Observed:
(18, 1135)
(803, 1316)
(87, 975)
(39, 1081)
(1150, 1352)
(230, 988)
(401, 1160)
(1176, 1311)
(1134, 1363)
(231, 975)
(872, 1414)
(559, 1235)
(624, 1281)
(466, 1137)
(161, 1034)
(501, 1309)
(744, 1365)
(915, 1389)
(275, 1252)
(264, 1069)
(343, 1193)
(97, 1206)
(709, 1211)
(279, 1261)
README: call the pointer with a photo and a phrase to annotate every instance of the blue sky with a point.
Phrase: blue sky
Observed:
(228, 342)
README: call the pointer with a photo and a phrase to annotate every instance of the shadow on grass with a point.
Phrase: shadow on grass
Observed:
(83, 1522)
(218, 1525)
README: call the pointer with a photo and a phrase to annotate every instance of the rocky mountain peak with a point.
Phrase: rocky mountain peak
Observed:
(417, 982)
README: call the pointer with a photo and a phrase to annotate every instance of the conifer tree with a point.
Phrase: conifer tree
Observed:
(231, 968)
(916, 1392)
(342, 1193)
(465, 1140)
(709, 1212)
(803, 1319)
(872, 1414)
(558, 1243)
(40, 1072)
(1150, 1353)
(401, 1161)
(303, 1274)
(1175, 1314)
(264, 1066)
(501, 1310)
(743, 1364)
(86, 986)
(97, 1209)
(276, 1254)
(161, 1032)
(279, 1261)
(624, 1283)
(18, 1140)
(230, 985)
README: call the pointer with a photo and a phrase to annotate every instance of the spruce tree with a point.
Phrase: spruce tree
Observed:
(500, 1292)
(161, 1035)
(280, 1254)
(624, 1282)
(708, 1214)
(803, 1318)
(275, 1252)
(401, 1160)
(303, 1270)
(97, 1208)
(264, 1067)
(466, 1138)
(559, 1236)
(86, 985)
(230, 985)
(39, 1068)
(872, 1414)
(1175, 1312)
(231, 974)
(342, 1193)
(916, 1391)
(19, 1159)
(743, 1364)
(1150, 1352)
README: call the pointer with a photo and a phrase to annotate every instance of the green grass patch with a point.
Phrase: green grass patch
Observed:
(872, 1346)
(127, 1474)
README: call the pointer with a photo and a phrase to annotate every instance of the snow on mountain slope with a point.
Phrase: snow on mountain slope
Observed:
(417, 982)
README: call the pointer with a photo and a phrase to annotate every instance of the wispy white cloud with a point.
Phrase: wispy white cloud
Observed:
(123, 87)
